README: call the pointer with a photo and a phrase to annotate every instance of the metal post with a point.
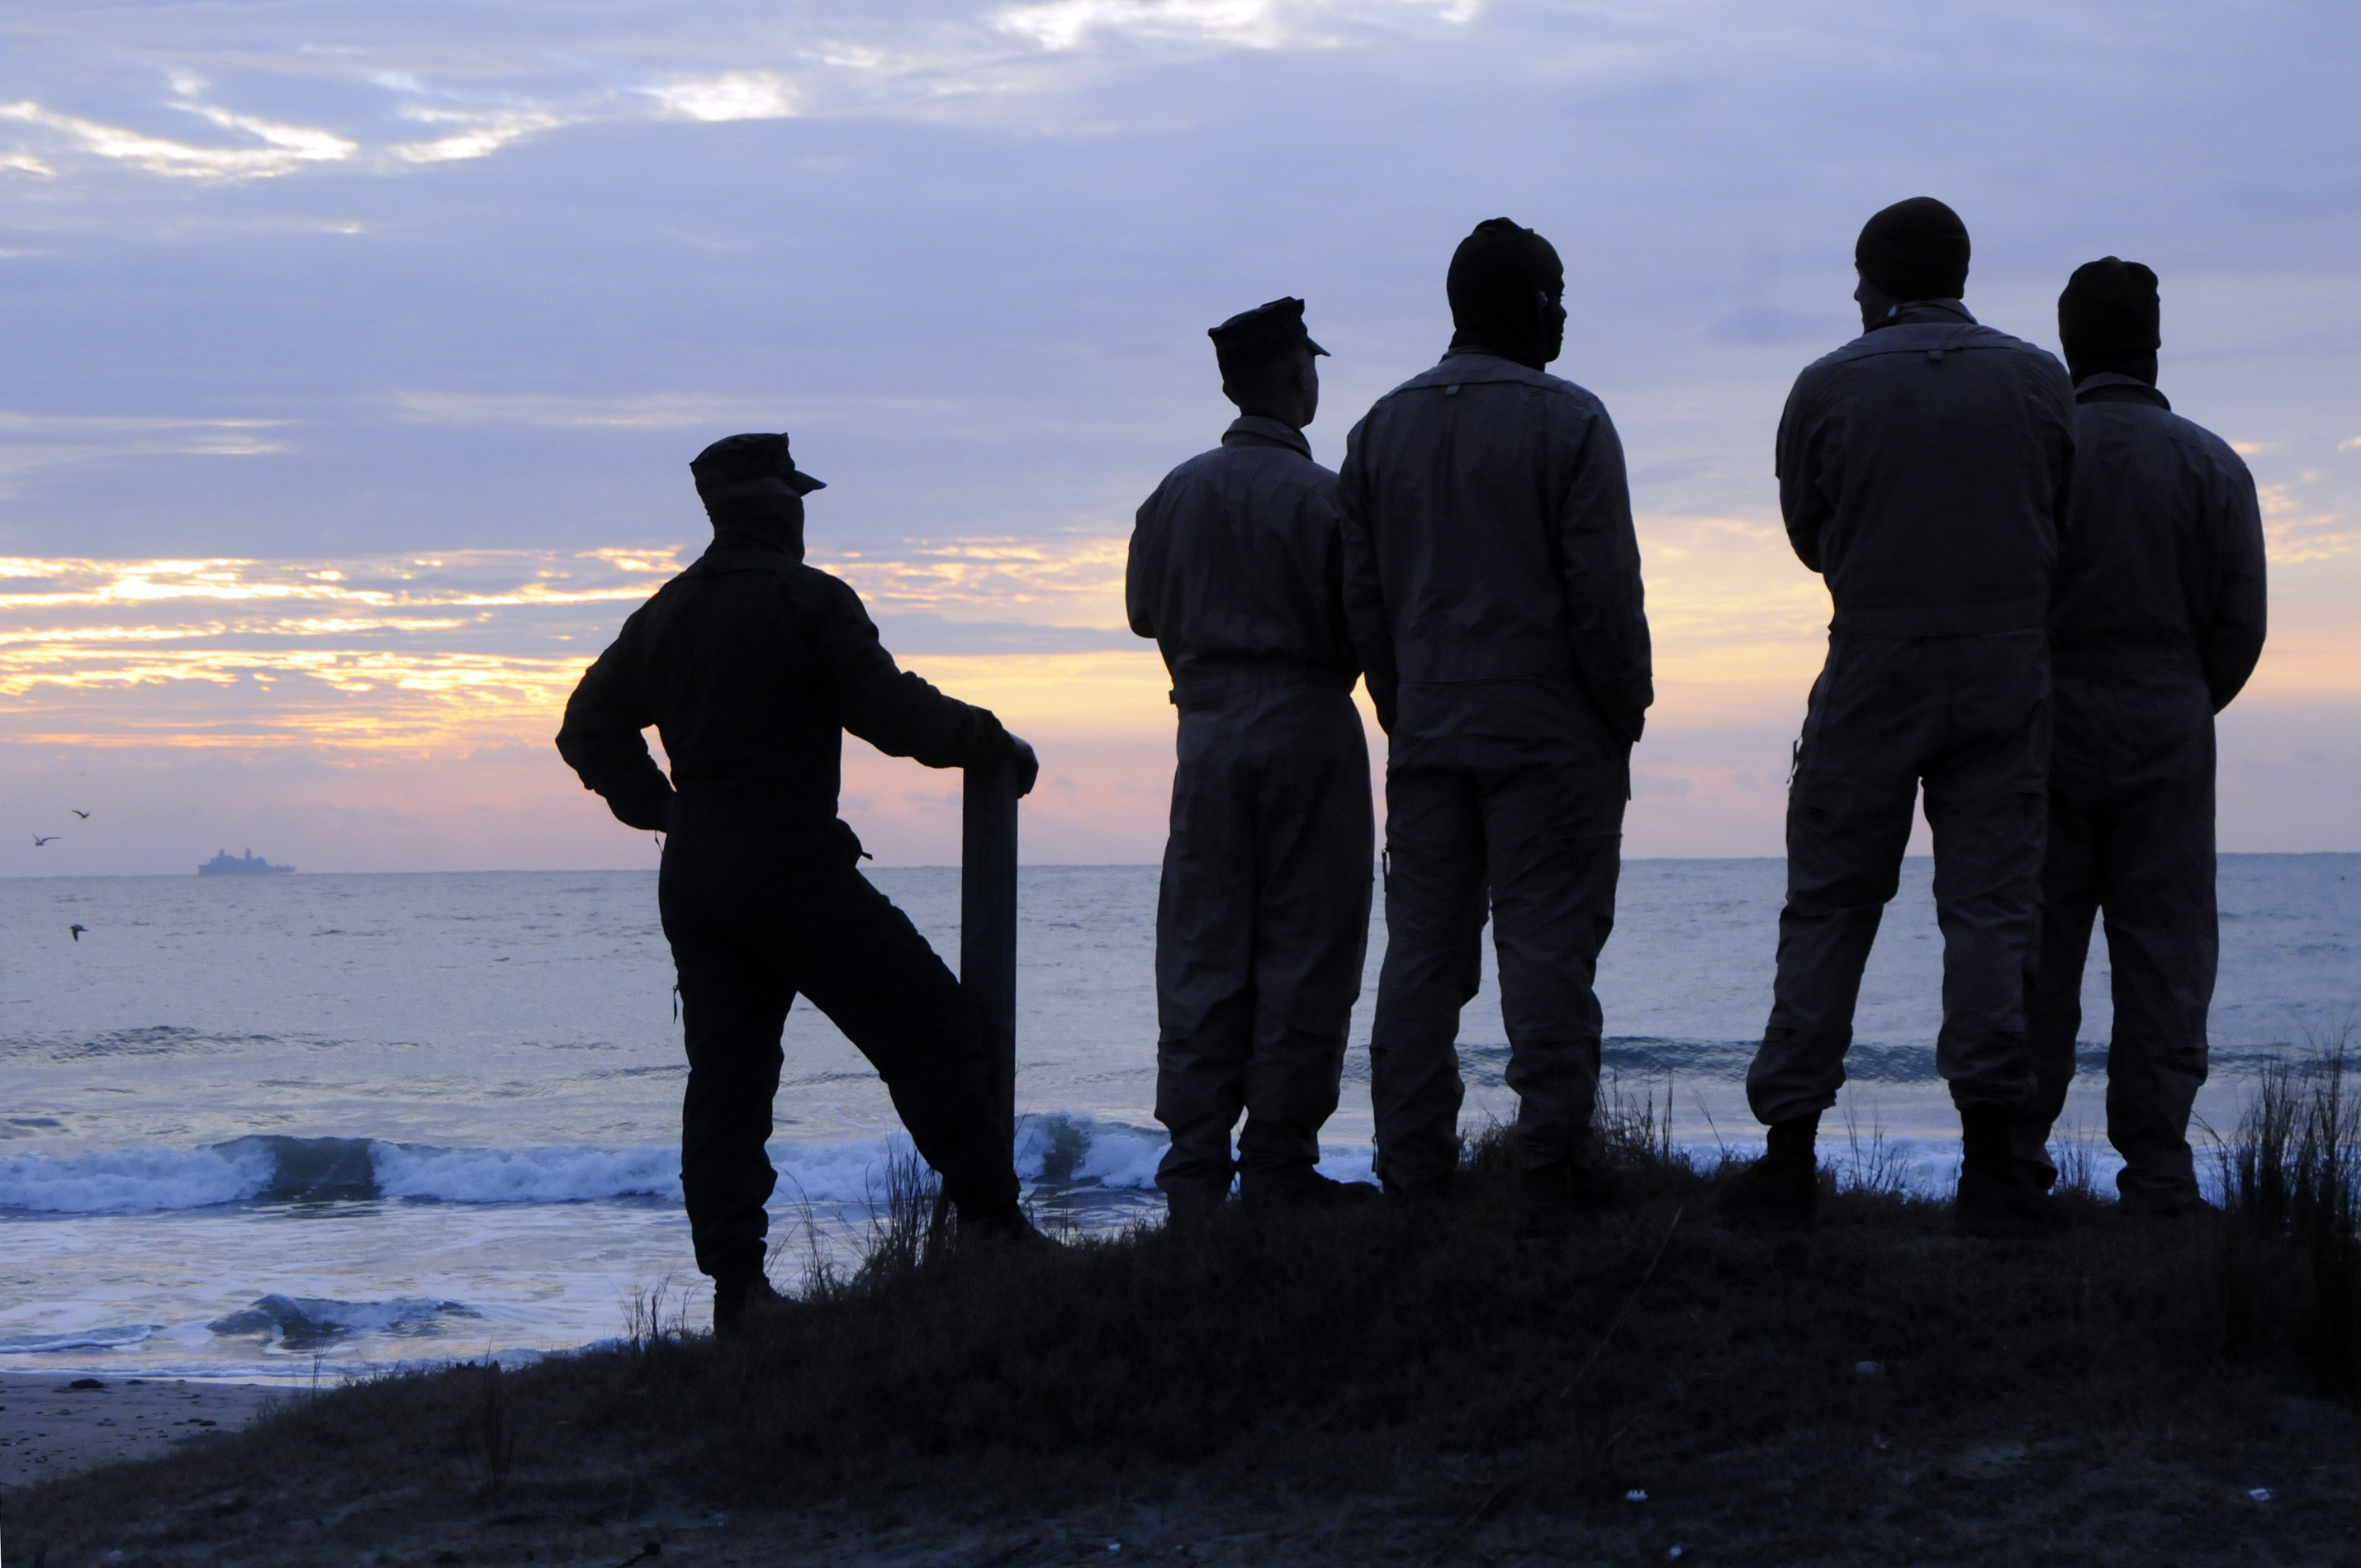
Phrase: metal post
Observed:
(988, 918)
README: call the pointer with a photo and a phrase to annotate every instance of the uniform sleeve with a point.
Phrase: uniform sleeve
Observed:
(2233, 642)
(602, 740)
(1322, 522)
(2054, 394)
(1598, 564)
(1363, 588)
(891, 708)
(1144, 567)
(1803, 501)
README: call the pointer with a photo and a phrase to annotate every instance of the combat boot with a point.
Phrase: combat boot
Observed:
(1564, 1190)
(741, 1304)
(1298, 1188)
(1994, 1199)
(1780, 1191)
(1002, 1225)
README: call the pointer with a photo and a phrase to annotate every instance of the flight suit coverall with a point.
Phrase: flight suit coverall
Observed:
(1492, 577)
(1262, 919)
(751, 665)
(1924, 471)
(2159, 621)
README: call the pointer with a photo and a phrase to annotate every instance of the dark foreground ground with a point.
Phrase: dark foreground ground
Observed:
(1400, 1386)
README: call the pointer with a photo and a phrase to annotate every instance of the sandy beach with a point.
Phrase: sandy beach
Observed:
(53, 1425)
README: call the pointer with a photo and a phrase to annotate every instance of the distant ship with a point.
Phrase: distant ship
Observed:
(224, 863)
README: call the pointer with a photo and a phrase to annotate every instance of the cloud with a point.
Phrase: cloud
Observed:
(1063, 581)
(657, 410)
(469, 647)
(738, 95)
(1064, 24)
(285, 149)
(2296, 534)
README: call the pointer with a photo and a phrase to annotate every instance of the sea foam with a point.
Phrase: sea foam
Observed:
(1060, 1150)
(125, 1180)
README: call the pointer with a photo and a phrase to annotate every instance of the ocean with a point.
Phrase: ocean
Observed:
(301, 1126)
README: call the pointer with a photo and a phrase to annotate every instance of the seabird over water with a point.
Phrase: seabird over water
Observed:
(77, 928)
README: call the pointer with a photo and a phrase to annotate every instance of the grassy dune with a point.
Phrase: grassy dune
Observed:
(1409, 1385)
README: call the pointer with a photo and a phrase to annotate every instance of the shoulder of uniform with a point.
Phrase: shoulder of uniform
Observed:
(1834, 359)
(805, 578)
(2186, 432)
(1927, 337)
(1195, 467)
(1558, 386)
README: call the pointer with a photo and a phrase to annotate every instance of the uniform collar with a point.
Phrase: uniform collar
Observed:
(1256, 430)
(1925, 313)
(757, 541)
(2115, 387)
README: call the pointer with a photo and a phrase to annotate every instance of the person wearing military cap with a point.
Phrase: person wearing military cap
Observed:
(2157, 621)
(751, 665)
(1492, 578)
(1924, 470)
(1262, 917)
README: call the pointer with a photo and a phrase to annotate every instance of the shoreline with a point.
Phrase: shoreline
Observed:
(50, 1429)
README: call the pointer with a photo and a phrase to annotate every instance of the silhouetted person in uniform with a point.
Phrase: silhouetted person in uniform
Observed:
(751, 665)
(1493, 581)
(2157, 624)
(1923, 470)
(1262, 919)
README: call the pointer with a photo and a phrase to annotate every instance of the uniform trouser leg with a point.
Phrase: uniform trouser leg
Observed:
(731, 1014)
(1970, 716)
(1314, 828)
(746, 938)
(867, 968)
(1205, 967)
(1849, 811)
(2053, 999)
(1554, 843)
(1988, 807)
(2163, 945)
(1435, 891)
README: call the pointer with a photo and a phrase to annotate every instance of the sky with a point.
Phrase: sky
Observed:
(351, 356)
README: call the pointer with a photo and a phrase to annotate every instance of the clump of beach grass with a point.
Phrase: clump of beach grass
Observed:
(2290, 1249)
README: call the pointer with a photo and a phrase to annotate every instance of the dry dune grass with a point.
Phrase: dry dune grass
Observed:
(1411, 1384)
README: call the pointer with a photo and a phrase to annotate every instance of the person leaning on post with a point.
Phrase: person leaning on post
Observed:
(1924, 470)
(1262, 917)
(2158, 623)
(751, 665)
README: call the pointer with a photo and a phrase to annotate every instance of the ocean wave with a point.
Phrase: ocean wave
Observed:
(114, 1338)
(301, 1321)
(556, 1173)
(129, 1180)
(1061, 1150)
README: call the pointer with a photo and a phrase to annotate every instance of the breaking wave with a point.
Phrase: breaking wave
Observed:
(114, 1338)
(1061, 1150)
(301, 1321)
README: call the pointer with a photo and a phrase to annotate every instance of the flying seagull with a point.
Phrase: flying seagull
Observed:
(77, 928)
(38, 841)
(79, 812)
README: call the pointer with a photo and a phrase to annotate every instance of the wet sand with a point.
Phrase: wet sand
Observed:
(49, 1427)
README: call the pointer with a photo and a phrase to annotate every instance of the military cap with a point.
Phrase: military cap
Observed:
(1252, 334)
(741, 459)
